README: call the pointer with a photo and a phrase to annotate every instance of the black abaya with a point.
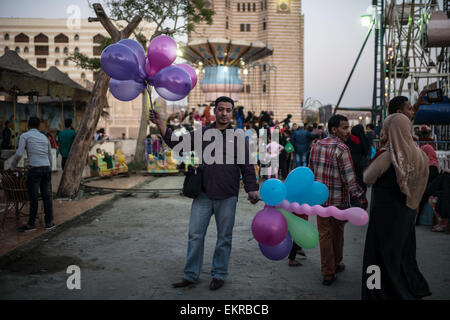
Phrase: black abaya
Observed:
(391, 245)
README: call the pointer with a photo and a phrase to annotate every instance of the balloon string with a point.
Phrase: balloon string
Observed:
(150, 97)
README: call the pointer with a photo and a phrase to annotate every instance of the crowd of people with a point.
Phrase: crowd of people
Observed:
(404, 177)
(346, 160)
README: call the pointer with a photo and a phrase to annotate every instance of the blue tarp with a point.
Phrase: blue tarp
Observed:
(437, 113)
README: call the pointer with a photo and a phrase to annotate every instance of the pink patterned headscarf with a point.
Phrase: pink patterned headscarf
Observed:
(429, 150)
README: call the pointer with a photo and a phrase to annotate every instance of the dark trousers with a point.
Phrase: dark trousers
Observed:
(40, 178)
(296, 247)
(63, 162)
(284, 164)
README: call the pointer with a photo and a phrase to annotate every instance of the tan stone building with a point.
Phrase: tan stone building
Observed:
(275, 82)
(48, 42)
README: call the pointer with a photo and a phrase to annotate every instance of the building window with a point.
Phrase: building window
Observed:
(17, 50)
(264, 86)
(66, 62)
(262, 6)
(248, 27)
(77, 37)
(249, 7)
(41, 50)
(56, 62)
(66, 50)
(247, 88)
(83, 75)
(61, 38)
(41, 63)
(243, 7)
(21, 38)
(97, 51)
(26, 50)
(6, 37)
(77, 50)
(254, 6)
(41, 38)
(226, 23)
(239, 7)
(242, 27)
(6, 48)
(57, 50)
(98, 38)
(264, 67)
(264, 24)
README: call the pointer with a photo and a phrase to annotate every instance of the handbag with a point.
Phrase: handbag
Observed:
(193, 182)
(289, 147)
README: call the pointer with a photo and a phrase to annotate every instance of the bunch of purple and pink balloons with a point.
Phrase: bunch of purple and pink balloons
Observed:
(131, 71)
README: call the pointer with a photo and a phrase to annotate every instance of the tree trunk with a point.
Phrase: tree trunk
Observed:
(73, 171)
(139, 153)
(71, 178)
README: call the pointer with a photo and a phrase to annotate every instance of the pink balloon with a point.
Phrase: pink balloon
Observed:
(269, 227)
(357, 216)
(294, 207)
(191, 72)
(161, 53)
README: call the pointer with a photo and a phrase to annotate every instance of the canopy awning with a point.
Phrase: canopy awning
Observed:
(19, 77)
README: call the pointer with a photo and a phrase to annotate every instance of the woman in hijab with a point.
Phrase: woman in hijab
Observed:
(399, 174)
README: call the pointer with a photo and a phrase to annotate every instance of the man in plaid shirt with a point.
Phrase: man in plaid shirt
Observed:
(332, 165)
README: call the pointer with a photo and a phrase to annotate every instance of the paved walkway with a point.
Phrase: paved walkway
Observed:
(134, 248)
(63, 210)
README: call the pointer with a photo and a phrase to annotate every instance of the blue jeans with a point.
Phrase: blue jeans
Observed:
(40, 178)
(202, 210)
(301, 159)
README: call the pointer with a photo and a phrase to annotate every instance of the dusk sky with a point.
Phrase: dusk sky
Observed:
(333, 38)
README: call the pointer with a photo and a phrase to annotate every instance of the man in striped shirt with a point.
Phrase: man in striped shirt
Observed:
(39, 173)
(332, 165)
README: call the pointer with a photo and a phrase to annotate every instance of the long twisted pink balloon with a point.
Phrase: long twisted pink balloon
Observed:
(356, 216)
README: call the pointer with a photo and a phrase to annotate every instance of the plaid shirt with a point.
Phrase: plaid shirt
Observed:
(332, 165)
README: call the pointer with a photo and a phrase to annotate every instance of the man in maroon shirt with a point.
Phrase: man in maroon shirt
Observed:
(219, 196)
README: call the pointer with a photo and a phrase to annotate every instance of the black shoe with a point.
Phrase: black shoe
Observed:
(49, 226)
(27, 228)
(340, 267)
(182, 284)
(301, 252)
(328, 280)
(216, 284)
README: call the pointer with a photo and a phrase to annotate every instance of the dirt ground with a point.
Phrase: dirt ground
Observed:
(134, 248)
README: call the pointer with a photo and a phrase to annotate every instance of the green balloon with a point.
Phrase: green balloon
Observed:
(302, 232)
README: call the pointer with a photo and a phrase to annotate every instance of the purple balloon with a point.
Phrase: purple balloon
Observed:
(191, 72)
(172, 83)
(269, 227)
(119, 62)
(278, 252)
(125, 90)
(161, 53)
(139, 52)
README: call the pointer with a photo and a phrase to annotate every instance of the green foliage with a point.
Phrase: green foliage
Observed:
(180, 14)
(87, 63)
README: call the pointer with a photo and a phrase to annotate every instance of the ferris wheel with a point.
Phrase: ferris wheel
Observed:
(416, 47)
